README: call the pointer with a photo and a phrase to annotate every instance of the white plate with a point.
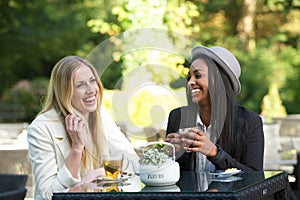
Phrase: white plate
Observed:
(224, 174)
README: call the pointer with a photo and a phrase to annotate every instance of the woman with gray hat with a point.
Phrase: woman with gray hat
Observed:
(219, 133)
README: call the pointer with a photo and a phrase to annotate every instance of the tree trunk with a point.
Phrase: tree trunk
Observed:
(245, 25)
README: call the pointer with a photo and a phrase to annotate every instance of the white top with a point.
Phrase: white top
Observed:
(49, 147)
(202, 163)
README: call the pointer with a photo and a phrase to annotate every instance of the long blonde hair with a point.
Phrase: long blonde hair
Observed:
(59, 96)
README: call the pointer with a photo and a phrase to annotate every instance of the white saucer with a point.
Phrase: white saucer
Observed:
(124, 177)
(224, 174)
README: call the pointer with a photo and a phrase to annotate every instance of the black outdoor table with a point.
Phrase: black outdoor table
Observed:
(253, 185)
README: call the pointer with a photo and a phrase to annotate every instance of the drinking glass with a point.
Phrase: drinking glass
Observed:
(182, 131)
(113, 165)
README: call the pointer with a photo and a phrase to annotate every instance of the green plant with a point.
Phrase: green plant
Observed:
(156, 155)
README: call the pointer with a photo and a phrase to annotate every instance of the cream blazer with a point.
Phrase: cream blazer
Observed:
(49, 147)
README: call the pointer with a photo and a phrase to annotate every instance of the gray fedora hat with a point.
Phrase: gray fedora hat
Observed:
(225, 59)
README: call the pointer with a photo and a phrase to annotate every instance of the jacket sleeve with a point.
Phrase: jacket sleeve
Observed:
(173, 121)
(48, 176)
(252, 149)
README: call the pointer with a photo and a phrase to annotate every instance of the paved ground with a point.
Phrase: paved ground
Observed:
(14, 153)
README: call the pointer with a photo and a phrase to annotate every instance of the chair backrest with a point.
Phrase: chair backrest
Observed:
(12, 186)
(297, 171)
(16, 194)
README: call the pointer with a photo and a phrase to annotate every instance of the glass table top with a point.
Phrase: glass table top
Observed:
(188, 182)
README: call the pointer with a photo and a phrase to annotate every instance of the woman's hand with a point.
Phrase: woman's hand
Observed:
(92, 175)
(175, 139)
(197, 141)
(75, 129)
(89, 180)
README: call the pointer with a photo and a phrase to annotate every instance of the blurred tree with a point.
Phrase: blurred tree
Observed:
(245, 25)
(36, 34)
(173, 15)
(145, 65)
(289, 92)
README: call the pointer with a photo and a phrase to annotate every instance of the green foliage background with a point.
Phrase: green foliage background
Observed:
(34, 35)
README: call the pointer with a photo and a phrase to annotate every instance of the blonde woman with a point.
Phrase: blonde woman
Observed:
(72, 132)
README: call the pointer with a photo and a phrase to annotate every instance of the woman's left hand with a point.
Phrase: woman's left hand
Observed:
(92, 175)
(89, 180)
(197, 141)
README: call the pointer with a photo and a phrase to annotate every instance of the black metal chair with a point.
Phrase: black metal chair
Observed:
(295, 186)
(12, 186)
(297, 171)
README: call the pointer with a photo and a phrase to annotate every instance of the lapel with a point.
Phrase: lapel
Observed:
(60, 137)
(61, 141)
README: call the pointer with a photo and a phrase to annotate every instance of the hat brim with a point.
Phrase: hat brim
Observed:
(201, 50)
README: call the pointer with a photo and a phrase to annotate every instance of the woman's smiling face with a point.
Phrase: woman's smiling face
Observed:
(198, 82)
(86, 90)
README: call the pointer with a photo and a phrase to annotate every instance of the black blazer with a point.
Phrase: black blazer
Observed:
(249, 153)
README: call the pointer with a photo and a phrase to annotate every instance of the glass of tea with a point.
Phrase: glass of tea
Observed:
(113, 165)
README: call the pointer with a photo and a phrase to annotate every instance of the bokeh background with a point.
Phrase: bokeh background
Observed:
(263, 34)
(142, 85)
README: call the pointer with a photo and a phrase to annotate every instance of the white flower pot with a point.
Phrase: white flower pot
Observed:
(167, 173)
